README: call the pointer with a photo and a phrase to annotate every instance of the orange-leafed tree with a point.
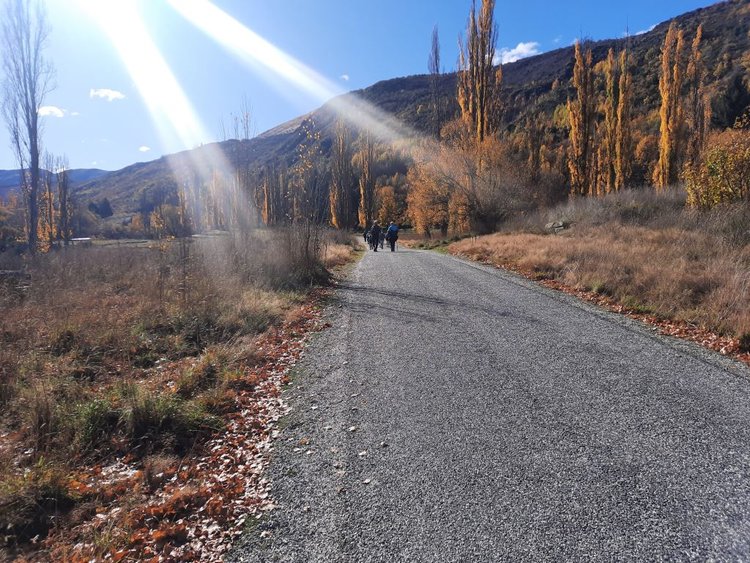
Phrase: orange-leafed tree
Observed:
(427, 201)
(478, 81)
(697, 108)
(581, 113)
(671, 114)
(624, 134)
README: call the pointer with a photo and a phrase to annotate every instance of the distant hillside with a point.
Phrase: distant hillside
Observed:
(10, 179)
(532, 88)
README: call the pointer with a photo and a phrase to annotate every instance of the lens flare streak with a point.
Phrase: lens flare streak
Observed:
(259, 54)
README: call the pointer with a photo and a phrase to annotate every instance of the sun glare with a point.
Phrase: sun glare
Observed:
(274, 64)
(170, 108)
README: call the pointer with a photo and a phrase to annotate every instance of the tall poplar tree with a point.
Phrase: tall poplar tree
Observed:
(581, 115)
(433, 66)
(611, 102)
(366, 181)
(342, 180)
(697, 108)
(478, 83)
(624, 135)
(670, 113)
(28, 79)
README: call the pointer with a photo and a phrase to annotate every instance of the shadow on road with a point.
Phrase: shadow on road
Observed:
(415, 299)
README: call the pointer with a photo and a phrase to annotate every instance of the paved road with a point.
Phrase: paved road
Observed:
(455, 412)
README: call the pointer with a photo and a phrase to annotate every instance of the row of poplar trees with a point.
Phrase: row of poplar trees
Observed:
(343, 192)
(601, 151)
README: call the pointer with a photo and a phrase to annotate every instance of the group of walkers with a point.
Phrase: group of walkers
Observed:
(377, 236)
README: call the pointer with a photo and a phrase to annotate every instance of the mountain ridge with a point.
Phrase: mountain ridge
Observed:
(532, 87)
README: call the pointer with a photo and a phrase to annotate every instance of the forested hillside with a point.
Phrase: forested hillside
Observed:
(531, 123)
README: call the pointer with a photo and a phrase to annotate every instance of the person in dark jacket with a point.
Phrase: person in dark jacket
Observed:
(375, 236)
(391, 235)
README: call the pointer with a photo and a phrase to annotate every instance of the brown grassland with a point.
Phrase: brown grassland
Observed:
(137, 354)
(641, 250)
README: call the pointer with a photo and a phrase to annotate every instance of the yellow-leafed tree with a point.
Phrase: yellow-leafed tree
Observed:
(670, 114)
(478, 82)
(581, 115)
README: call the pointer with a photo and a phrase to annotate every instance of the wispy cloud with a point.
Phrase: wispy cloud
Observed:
(642, 31)
(53, 111)
(557, 40)
(74, 114)
(106, 94)
(520, 51)
(144, 148)
(344, 77)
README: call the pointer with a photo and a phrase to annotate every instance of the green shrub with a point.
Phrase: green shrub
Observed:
(156, 422)
(95, 421)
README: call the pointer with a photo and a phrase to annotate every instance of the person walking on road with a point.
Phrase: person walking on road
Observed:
(375, 232)
(391, 235)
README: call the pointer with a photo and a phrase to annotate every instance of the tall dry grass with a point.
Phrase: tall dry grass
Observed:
(86, 332)
(644, 249)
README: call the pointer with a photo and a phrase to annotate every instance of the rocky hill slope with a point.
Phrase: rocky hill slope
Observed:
(535, 86)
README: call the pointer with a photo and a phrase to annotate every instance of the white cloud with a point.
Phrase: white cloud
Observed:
(144, 148)
(520, 51)
(557, 39)
(344, 77)
(74, 114)
(106, 94)
(54, 111)
(643, 30)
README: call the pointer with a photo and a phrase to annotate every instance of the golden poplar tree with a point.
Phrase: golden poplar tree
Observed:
(624, 136)
(581, 116)
(697, 108)
(47, 226)
(611, 102)
(478, 83)
(671, 113)
(615, 160)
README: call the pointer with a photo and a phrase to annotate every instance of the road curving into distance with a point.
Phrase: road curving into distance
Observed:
(455, 412)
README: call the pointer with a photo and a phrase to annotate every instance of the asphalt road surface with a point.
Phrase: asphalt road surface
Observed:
(455, 412)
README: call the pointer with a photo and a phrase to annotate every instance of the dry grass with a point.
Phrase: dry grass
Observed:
(86, 339)
(336, 255)
(644, 251)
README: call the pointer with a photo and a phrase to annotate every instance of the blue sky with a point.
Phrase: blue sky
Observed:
(98, 117)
